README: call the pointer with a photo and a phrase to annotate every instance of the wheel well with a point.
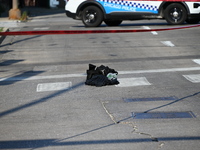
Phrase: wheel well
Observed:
(164, 5)
(86, 4)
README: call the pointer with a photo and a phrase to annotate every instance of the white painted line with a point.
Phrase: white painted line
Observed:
(53, 86)
(196, 61)
(168, 43)
(9, 24)
(24, 78)
(45, 28)
(129, 82)
(38, 20)
(153, 32)
(160, 70)
(146, 27)
(27, 78)
(194, 78)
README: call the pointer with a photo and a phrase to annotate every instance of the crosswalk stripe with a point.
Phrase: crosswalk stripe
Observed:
(24, 78)
(160, 70)
(129, 82)
(153, 32)
(45, 28)
(168, 43)
(44, 87)
(196, 61)
(194, 78)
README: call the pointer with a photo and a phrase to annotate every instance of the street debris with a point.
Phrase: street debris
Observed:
(101, 76)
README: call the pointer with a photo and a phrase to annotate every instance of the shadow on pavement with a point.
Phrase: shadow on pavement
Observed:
(36, 144)
(180, 99)
(5, 51)
(22, 76)
(18, 41)
(10, 62)
(39, 101)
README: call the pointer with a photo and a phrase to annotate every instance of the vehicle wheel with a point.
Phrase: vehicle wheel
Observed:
(92, 16)
(113, 22)
(175, 14)
(192, 21)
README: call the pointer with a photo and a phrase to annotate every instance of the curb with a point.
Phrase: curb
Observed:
(3, 37)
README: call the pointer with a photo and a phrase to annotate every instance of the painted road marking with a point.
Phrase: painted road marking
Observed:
(45, 28)
(44, 87)
(194, 78)
(153, 32)
(129, 82)
(159, 70)
(24, 78)
(38, 20)
(9, 24)
(196, 61)
(168, 43)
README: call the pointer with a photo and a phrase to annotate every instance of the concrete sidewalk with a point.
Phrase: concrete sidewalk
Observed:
(33, 12)
(6, 24)
(36, 11)
(3, 37)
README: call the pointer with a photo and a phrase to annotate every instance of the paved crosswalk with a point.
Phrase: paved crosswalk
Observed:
(124, 81)
(194, 78)
(196, 61)
(130, 82)
(40, 77)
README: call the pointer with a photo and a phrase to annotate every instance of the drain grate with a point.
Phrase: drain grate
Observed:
(163, 115)
(150, 99)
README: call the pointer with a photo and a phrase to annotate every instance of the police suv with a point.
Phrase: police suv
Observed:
(113, 12)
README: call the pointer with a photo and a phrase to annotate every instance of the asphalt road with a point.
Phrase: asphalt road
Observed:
(45, 104)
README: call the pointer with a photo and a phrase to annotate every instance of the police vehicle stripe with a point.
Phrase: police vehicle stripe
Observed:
(131, 4)
(163, 0)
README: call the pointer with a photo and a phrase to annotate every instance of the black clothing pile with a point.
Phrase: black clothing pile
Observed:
(101, 76)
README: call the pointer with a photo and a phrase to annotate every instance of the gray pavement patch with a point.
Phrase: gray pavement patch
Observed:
(171, 98)
(163, 115)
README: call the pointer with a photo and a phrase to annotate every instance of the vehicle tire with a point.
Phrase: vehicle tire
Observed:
(92, 16)
(113, 22)
(192, 21)
(175, 14)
